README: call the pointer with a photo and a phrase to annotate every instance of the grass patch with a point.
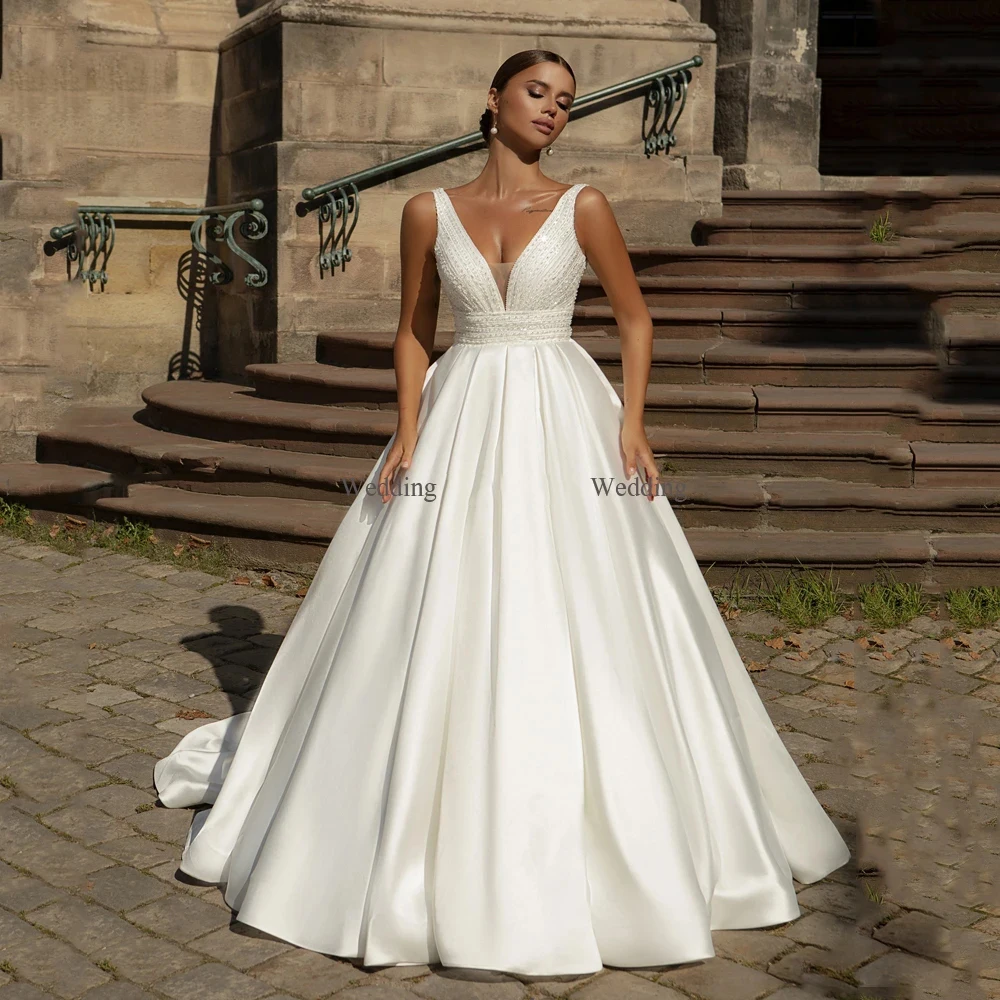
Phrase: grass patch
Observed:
(9, 783)
(882, 230)
(106, 965)
(9, 969)
(803, 598)
(72, 535)
(889, 603)
(974, 607)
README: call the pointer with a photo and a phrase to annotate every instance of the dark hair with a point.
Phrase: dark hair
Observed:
(511, 67)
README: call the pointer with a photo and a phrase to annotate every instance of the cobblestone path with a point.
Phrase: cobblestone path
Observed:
(105, 660)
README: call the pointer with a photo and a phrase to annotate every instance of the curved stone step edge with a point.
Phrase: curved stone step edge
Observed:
(229, 403)
(261, 517)
(110, 438)
(31, 482)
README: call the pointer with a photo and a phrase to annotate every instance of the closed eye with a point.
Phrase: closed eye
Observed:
(565, 107)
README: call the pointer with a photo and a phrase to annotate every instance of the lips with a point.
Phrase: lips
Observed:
(545, 125)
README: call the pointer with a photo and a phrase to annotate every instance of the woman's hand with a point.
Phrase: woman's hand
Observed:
(636, 452)
(398, 459)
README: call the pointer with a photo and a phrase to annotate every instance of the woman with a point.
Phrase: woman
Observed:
(508, 728)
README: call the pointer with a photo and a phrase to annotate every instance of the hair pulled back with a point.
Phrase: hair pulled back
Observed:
(511, 67)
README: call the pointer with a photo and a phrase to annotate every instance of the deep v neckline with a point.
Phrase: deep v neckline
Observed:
(486, 264)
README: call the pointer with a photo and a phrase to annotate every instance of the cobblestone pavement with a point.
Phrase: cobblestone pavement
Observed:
(107, 659)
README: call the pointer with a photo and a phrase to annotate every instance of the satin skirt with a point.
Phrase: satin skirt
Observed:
(508, 728)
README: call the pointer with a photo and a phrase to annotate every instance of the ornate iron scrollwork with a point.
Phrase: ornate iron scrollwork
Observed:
(665, 98)
(90, 240)
(334, 251)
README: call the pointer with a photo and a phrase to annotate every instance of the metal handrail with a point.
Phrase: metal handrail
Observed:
(666, 97)
(96, 226)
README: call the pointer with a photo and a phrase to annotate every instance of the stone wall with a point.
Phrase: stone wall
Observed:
(183, 102)
(363, 86)
(113, 102)
(767, 123)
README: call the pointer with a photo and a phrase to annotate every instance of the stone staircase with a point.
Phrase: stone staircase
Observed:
(819, 399)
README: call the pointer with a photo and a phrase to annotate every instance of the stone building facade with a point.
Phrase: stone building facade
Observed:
(194, 102)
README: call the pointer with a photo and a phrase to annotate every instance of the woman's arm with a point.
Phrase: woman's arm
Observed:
(602, 241)
(419, 297)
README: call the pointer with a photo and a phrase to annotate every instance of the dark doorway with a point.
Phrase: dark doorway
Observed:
(909, 87)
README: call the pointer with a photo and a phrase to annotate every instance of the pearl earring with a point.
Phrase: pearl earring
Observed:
(493, 131)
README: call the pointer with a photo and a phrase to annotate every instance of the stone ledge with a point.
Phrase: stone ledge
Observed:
(647, 19)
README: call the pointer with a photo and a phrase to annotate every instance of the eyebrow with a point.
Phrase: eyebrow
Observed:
(562, 93)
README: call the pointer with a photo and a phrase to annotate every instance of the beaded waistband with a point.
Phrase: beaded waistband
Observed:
(513, 327)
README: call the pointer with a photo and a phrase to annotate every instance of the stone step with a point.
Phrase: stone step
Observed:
(55, 486)
(968, 290)
(881, 459)
(722, 407)
(270, 532)
(326, 385)
(907, 255)
(817, 504)
(798, 327)
(713, 360)
(261, 532)
(779, 230)
(116, 440)
(936, 561)
(968, 339)
(721, 361)
(223, 412)
(226, 413)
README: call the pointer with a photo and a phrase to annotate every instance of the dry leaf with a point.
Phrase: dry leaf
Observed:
(75, 522)
(755, 665)
(242, 581)
(192, 713)
(803, 655)
(268, 580)
(108, 531)
(974, 654)
(179, 549)
(54, 530)
(154, 539)
(93, 645)
(862, 641)
(777, 643)
(794, 640)
(849, 683)
(961, 640)
(887, 655)
(948, 641)
(962, 656)
(301, 592)
(878, 641)
(196, 542)
(29, 520)
(846, 657)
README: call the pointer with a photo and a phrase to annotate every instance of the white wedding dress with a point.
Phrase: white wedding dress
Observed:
(508, 728)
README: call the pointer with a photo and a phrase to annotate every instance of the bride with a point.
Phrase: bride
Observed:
(508, 728)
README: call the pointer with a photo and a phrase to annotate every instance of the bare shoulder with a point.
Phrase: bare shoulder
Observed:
(419, 217)
(420, 208)
(594, 214)
(592, 200)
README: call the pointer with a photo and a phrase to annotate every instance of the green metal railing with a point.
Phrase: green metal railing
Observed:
(664, 103)
(91, 238)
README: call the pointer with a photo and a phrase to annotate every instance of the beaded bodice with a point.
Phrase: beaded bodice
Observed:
(529, 299)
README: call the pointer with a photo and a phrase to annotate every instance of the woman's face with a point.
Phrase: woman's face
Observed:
(534, 106)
